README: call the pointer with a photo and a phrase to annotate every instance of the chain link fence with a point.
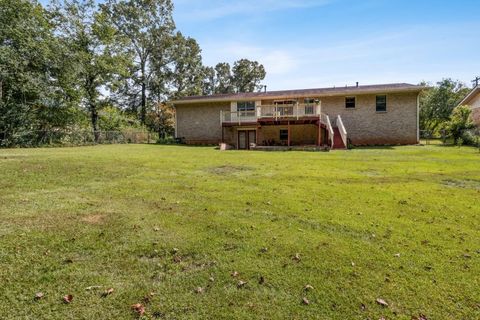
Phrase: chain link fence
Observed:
(470, 137)
(74, 138)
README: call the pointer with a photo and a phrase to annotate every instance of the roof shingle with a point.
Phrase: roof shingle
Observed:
(319, 92)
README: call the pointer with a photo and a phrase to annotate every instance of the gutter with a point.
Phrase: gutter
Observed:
(295, 96)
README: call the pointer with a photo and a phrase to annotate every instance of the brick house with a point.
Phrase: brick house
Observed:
(361, 115)
(473, 101)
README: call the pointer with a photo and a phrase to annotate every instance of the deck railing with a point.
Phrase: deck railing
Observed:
(277, 112)
(326, 120)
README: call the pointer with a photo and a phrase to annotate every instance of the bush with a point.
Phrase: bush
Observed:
(167, 140)
(459, 124)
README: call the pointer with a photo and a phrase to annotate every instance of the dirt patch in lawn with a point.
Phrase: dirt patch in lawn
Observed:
(465, 184)
(227, 169)
(96, 218)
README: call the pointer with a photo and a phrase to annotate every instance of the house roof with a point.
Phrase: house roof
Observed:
(470, 96)
(292, 94)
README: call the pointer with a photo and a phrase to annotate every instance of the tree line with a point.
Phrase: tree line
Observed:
(441, 115)
(76, 64)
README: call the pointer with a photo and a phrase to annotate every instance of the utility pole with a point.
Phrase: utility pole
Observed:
(476, 82)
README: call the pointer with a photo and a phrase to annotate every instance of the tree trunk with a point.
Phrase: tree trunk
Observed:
(143, 107)
(94, 119)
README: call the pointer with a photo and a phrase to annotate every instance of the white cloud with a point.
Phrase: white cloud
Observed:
(199, 10)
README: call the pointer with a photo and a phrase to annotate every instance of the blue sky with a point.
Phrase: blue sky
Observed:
(318, 43)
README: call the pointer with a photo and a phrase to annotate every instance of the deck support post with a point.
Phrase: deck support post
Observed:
(257, 135)
(319, 133)
(223, 134)
(289, 133)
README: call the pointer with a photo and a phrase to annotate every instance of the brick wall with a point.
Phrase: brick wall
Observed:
(475, 105)
(200, 123)
(365, 126)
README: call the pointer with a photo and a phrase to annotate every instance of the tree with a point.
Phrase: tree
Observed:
(187, 73)
(161, 120)
(34, 97)
(247, 75)
(223, 78)
(459, 123)
(96, 51)
(437, 104)
(148, 24)
(208, 83)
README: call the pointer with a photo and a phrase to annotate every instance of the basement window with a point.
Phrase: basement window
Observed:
(381, 104)
(350, 102)
(283, 134)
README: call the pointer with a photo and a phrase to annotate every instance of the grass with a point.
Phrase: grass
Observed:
(400, 224)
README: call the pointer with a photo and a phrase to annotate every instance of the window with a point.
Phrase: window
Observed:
(309, 106)
(381, 103)
(283, 134)
(246, 106)
(285, 102)
(350, 102)
(309, 101)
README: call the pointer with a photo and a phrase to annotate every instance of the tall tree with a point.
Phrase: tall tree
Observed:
(149, 26)
(223, 81)
(32, 99)
(95, 49)
(437, 103)
(208, 83)
(187, 73)
(248, 75)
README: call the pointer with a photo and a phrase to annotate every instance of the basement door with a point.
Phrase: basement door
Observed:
(245, 137)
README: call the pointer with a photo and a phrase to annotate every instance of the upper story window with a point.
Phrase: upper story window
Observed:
(350, 102)
(381, 103)
(246, 106)
(309, 106)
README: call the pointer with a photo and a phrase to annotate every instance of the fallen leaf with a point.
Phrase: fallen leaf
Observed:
(177, 259)
(235, 274)
(381, 302)
(296, 257)
(363, 307)
(211, 279)
(138, 308)
(199, 290)
(174, 250)
(241, 284)
(263, 250)
(397, 255)
(305, 301)
(419, 317)
(353, 264)
(107, 292)
(68, 298)
(308, 287)
(38, 295)
(156, 229)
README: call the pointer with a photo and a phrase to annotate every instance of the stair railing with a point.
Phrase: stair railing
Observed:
(343, 131)
(330, 130)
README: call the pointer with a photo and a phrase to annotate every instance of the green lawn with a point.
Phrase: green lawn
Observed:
(156, 222)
